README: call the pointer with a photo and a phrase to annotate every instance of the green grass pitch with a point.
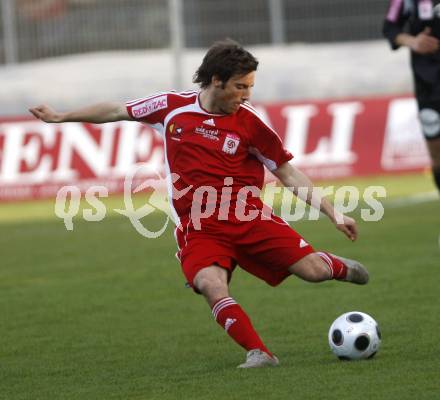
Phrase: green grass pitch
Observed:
(102, 313)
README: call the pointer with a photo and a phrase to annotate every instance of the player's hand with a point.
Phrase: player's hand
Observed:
(46, 114)
(424, 43)
(348, 226)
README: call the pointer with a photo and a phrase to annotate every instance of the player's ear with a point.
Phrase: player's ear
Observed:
(216, 82)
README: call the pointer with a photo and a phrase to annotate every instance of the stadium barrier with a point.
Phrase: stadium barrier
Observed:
(329, 139)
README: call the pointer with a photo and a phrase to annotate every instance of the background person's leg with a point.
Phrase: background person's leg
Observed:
(434, 150)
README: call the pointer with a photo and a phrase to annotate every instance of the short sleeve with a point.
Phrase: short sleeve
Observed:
(265, 144)
(151, 110)
(394, 22)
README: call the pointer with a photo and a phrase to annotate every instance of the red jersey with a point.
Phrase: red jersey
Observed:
(205, 148)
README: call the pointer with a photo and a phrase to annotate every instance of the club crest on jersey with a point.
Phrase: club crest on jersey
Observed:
(175, 131)
(231, 143)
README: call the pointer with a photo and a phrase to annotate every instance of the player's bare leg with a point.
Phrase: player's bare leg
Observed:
(318, 267)
(212, 282)
(311, 268)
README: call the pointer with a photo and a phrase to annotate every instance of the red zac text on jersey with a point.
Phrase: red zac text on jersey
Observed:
(149, 106)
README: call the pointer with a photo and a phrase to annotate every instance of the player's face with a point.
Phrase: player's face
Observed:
(234, 92)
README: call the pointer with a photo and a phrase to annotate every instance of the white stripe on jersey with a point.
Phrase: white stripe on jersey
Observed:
(188, 108)
(203, 111)
(248, 107)
(170, 183)
(188, 93)
(158, 128)
(142, 99)
(175, 237)
(257, 114)
(271, 165)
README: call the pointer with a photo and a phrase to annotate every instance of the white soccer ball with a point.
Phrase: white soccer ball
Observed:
(354, 336)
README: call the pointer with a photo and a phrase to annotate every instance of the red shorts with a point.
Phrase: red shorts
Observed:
(264, 248)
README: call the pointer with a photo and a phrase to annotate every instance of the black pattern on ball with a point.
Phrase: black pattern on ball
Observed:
(337, 337)
(379, 333)
(355, 317)
(362, 342)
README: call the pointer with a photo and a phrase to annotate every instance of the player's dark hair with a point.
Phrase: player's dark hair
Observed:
(224, 59)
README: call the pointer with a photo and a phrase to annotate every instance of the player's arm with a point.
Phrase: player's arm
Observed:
(394, 23)
(423, 43)
(97, 113)
(394, 30)
(293, 179)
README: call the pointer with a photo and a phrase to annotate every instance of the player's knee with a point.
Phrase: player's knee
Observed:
(211, 282)
(208, 284)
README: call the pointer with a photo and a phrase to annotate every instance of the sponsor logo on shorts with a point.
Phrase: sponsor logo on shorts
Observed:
(150, 106)
(231, 143)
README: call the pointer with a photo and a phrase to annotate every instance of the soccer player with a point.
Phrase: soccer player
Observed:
(215, 140)
(416, 25)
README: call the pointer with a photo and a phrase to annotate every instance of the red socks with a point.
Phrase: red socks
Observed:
(337, 268)
(231, 317)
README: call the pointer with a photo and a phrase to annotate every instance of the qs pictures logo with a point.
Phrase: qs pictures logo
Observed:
(67, 203)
